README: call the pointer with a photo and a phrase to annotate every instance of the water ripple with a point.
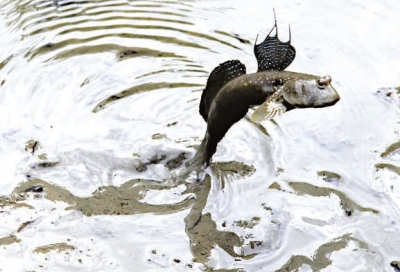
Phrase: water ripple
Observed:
(99, 102)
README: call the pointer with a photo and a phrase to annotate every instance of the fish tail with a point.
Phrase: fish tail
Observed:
(196, 164)
(201, 158)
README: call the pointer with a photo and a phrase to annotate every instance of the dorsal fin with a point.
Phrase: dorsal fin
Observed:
(273, 54)
(218, 78)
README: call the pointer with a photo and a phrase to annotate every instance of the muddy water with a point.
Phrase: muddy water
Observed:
(99, 105)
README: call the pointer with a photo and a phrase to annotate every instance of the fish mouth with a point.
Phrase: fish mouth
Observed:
(329, 104)
(290, 106)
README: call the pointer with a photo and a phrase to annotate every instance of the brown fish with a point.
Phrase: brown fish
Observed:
(230, 92)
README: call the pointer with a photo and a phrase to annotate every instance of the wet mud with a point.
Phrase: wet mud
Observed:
(126, 200)
(320, 258)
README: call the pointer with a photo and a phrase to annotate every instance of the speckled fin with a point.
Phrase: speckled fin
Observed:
(272, 54)
(218, 78)
(269, 109)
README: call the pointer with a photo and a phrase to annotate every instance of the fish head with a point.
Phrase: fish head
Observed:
(310, 92)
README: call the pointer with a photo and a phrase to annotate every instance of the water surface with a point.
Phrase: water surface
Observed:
(99, 103)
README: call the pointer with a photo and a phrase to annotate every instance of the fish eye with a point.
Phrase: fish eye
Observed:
(320, 84)
(323, 82)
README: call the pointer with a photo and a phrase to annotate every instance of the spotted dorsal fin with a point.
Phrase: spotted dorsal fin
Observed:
(218, 78)
(273, 54)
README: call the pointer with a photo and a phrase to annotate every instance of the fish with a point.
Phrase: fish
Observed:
(230, 92)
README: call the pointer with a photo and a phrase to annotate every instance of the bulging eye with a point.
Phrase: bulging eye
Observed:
(320, 84)
(323, 82)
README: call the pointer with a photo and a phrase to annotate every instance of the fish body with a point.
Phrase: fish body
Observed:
(230, 92)
(254, 89)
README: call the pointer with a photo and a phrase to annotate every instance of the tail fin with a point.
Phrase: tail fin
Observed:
(221, 74)
(195, 164)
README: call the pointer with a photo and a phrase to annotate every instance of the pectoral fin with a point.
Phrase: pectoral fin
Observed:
(269, 109)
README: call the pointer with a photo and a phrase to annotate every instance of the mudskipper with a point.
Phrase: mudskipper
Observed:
(230, 92)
